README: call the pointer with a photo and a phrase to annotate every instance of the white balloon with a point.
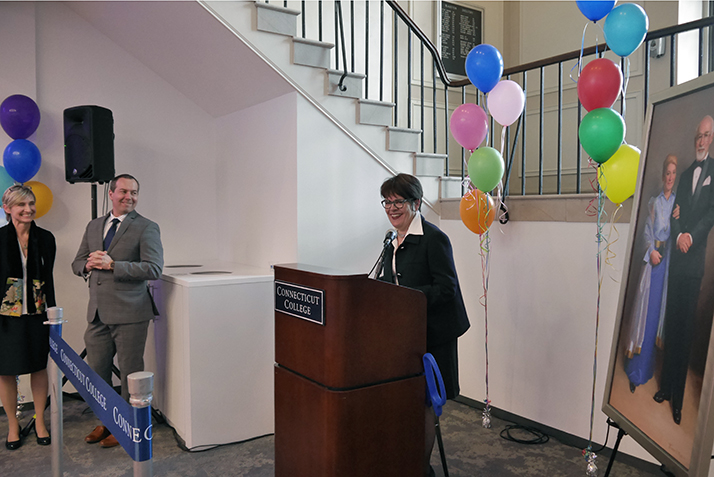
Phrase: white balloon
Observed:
(506, 101)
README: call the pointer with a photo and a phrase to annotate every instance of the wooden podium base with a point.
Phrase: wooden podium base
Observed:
(369, 431)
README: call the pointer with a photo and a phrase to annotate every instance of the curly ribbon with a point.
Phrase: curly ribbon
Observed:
(610, 255)
(579, 64)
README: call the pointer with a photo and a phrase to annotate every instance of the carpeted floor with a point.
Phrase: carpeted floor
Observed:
(471, 451)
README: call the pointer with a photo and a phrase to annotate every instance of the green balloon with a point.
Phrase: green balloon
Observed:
(601, 133)
(486, 168)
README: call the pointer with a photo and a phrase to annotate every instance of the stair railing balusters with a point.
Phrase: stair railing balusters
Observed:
(409, 78)
(446, 127)
(352, 34)
(381, 50)
(366, 49)
(433, 102)
(560, 126)
(395, 69)
(422, 97)
(339, 24)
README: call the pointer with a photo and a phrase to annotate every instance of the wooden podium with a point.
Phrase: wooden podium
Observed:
(349, 390)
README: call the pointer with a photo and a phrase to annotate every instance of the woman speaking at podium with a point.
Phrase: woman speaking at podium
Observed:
(420, 257)
(27, 256)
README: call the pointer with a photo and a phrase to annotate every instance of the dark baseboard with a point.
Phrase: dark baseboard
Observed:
(564, 437)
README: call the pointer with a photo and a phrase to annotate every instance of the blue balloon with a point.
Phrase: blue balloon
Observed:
(22, 160)
(484, 67)
(19, 116)
(5, 181)
(625, 28)
(595, 9)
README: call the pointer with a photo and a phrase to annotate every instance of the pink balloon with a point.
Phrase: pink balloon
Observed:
(506, 101)
(469, 125)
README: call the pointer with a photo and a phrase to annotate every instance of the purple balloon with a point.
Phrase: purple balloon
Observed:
(22, 160)
(469, 125)
(19, 116)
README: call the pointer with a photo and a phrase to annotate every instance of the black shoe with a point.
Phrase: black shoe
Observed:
(677, 416)
(632, 387)
(43, 441)
(660, 396)
(14, 445)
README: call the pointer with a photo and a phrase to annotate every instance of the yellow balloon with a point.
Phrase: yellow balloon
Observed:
(618, 176)
(43, 197)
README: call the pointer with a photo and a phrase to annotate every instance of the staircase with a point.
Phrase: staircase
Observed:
(270, 31)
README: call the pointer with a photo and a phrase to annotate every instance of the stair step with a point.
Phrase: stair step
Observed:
(353, 83)
(311, 53)
(275, 19)
(429, 165)
(402, 139)
(377, 113)
(450, 187)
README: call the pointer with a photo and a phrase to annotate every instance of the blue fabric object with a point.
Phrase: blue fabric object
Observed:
(436, 398)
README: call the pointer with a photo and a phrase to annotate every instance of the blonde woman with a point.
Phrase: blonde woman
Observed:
(27, 256)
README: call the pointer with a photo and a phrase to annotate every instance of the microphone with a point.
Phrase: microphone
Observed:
(391, 235)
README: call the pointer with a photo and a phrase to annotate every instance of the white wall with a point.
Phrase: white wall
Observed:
(340, 220)
(256, 178)
(542, 303)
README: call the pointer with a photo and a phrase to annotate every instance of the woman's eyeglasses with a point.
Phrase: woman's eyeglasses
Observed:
(397, 204)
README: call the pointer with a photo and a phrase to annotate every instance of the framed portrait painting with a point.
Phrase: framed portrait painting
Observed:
(661, 371)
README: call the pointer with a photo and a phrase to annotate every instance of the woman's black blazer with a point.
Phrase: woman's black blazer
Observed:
(426, 263)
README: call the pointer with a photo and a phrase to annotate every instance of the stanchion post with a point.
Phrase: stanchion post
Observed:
(54, 319)
(141, 389)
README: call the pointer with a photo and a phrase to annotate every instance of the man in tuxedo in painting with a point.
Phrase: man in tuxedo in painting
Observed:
(692, 219)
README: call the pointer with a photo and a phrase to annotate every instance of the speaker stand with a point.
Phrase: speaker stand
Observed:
(94, 200)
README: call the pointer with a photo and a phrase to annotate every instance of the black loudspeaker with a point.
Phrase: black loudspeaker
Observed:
(88, 144)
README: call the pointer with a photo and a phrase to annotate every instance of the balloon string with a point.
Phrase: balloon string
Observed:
(503, 139)
(624, 89)
(579, 64)
(600, 197)
(485, 252)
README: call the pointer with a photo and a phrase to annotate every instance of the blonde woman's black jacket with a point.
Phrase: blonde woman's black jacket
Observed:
(426, 263)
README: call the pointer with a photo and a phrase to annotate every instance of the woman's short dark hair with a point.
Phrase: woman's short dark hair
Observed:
(403, 185)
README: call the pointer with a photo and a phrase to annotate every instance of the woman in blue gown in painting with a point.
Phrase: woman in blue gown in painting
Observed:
(648, 321)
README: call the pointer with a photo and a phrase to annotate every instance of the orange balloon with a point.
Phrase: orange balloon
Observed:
(43, 197)
(477, 210)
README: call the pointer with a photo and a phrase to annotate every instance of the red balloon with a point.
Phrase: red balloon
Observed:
(599, 84)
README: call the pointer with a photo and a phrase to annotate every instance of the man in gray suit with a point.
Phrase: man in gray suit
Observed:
(118, 254)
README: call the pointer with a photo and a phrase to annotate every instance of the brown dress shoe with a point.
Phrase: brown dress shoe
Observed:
(99, 433)
(109, 441)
